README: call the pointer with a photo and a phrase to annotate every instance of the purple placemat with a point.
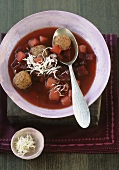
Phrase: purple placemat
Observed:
(62, 138)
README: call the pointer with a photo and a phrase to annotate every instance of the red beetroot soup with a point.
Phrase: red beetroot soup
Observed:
(52, 90)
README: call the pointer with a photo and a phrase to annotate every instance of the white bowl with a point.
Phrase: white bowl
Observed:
(74, 23)
(38, 138)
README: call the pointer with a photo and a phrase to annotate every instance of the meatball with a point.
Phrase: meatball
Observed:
(22, 80)
(63, 41)
(37, 50)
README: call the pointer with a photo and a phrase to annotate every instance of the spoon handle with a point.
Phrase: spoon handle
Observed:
(80, 107)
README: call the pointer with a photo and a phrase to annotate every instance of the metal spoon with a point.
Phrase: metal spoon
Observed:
(80, 107)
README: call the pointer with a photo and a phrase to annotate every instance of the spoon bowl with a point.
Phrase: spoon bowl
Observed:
(65, 31)
(80, 107)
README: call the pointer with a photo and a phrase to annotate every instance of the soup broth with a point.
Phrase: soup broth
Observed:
(38, 93)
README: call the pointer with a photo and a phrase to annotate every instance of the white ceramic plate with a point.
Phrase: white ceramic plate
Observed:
(74, 23)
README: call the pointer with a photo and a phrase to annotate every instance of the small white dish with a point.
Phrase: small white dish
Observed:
(39, 143)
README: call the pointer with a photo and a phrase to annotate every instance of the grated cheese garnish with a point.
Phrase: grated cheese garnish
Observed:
(61, 88)
(24, 144)
(48, 66)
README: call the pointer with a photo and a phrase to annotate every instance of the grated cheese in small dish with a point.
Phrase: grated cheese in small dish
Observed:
(24, 144)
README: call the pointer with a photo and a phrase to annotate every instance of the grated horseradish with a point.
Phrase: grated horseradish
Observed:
(48, 66)
(24, 144)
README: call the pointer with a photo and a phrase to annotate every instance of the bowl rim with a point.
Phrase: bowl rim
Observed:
(65, 110)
